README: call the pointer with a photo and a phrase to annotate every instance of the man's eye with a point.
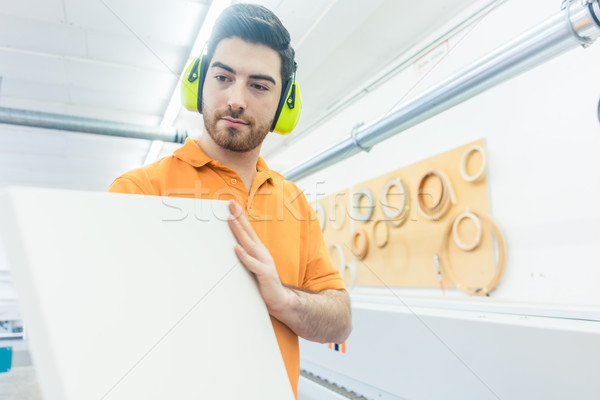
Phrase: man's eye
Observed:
(221, 78)
(260, 87)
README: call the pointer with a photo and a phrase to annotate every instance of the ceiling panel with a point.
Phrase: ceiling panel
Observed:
(26, 89)
(51, 38)
(129, 51)
(116, 80)
(34, 105)
(28, 66)
(340, 21)
(41, 10)
(129, 102)
(98, 15)
(299, 17)
(174, 21)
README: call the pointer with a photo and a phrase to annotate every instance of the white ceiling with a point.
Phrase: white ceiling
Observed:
(120, 60)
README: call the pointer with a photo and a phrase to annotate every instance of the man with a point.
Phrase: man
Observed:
(250, 59)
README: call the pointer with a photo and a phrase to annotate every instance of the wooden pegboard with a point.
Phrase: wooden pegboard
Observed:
(408, 258)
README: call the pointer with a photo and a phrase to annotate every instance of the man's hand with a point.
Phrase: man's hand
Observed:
(257, 259)
(319, 316)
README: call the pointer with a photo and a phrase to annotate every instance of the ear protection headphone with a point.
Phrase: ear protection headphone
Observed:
(288, 109)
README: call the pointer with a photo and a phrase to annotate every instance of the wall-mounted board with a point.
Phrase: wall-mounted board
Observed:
(430, 197)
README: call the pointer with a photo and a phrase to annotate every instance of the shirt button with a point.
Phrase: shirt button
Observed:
(234, 181)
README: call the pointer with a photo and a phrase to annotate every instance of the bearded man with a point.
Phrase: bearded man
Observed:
(278, 235)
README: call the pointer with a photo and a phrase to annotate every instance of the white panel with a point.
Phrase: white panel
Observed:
(94, 15)
(176, 22)
(24, 89)
(32, 67)
(120, 306)
(30, 104)
(53, 38)
(129, 50)
(353, 13)
(422, 354)
(116, 80)
(299, 17)
(130, 101)
(46, 10)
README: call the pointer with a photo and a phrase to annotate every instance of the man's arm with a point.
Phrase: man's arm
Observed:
(322, 316)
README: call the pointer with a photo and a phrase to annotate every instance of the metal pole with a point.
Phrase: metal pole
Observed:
(87, 125)
(578, 23)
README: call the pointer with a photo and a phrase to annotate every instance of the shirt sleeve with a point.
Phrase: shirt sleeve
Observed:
(123, 184)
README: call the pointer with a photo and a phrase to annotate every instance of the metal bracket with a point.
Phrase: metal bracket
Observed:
(353, 136)
(566, 6)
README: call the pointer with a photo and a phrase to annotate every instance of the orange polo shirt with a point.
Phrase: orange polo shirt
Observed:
(277, 210)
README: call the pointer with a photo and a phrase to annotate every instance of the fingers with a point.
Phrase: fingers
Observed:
(243, 232)
(238, 213)
(250, 250)
(249, 262)
(241, 235)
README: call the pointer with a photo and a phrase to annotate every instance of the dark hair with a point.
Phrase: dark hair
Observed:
(255, 24)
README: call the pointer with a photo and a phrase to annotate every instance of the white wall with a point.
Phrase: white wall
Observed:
(542, 134)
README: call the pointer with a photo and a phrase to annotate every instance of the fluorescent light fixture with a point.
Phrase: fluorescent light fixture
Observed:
(216, 8)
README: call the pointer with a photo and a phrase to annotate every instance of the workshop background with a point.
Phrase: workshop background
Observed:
(535, 333)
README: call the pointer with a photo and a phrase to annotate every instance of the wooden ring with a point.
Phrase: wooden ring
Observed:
(466, 215)
(463, 164)
(356, 198)
(333, 216)
(343, 266)
(422, 204)
(385, 207)
(400, 215)
(360, 253)
(447, 196)
(342, 260)
(386, 239)
(500, 264)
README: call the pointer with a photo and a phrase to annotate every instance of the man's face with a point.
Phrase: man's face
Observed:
(241, 94)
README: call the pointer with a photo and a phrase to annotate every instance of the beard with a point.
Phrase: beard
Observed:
(239, 140)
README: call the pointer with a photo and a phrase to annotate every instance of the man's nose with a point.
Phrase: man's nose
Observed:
(237, 97)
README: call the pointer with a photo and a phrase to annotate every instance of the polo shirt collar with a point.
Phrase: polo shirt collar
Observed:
(192, 154)
(261, 167)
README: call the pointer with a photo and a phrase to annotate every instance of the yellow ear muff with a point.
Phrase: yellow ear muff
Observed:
(192, 84)
(288, 111)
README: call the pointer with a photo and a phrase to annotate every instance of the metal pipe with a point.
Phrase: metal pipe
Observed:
(88, 125)
(576, 24)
